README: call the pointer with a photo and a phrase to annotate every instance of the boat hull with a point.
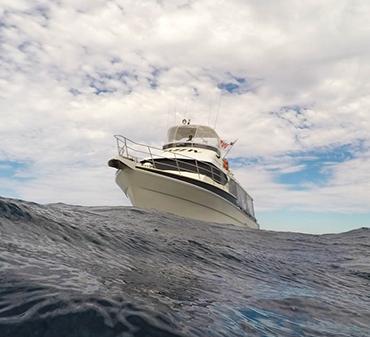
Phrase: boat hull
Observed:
(151, 190)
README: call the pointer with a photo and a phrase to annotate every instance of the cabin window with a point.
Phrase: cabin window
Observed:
(244, 199)
(193, 166)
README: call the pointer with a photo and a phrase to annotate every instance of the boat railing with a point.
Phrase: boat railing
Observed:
(143, 153)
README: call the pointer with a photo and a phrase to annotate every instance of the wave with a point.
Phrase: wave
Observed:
(69, 270)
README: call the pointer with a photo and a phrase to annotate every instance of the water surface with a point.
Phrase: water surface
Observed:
(120, 271)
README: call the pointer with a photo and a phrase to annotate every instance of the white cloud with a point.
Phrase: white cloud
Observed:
(152, 61)
(346, 191)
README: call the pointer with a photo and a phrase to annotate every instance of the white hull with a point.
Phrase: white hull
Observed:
(147, 189)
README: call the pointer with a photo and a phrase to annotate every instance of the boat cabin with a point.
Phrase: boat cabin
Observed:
(199, 136)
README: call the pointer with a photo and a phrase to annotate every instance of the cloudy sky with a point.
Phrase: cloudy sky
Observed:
(289, 79)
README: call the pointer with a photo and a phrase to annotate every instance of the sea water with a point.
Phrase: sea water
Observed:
(78, 271)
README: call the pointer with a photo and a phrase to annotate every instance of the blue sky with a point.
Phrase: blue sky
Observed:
(313, 222)
(308, 168)
(315, 166)
(9, 171)
(289, 80)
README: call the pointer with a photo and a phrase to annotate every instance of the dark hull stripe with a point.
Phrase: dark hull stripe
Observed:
(204, 185)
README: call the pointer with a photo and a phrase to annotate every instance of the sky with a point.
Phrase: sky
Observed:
(289, 79)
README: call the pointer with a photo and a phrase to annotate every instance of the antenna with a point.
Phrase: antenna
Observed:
(174, 114)
(209, 111)
(218, 109)
(168, 117)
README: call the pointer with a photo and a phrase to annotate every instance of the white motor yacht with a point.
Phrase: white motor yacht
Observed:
(188, 176)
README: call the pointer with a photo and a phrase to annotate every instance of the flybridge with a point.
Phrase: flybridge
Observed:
(193, 136)
(199, 133)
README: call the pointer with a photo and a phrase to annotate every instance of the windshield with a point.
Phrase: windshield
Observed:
(193, 134)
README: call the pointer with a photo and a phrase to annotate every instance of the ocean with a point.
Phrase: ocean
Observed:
(76, 271)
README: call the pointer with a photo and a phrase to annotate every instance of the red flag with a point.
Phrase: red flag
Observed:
(223, 144)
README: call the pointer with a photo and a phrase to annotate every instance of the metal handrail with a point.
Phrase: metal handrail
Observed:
(125, 139)
(123, 150)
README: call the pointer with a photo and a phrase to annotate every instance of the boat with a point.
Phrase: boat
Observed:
(189, 176)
